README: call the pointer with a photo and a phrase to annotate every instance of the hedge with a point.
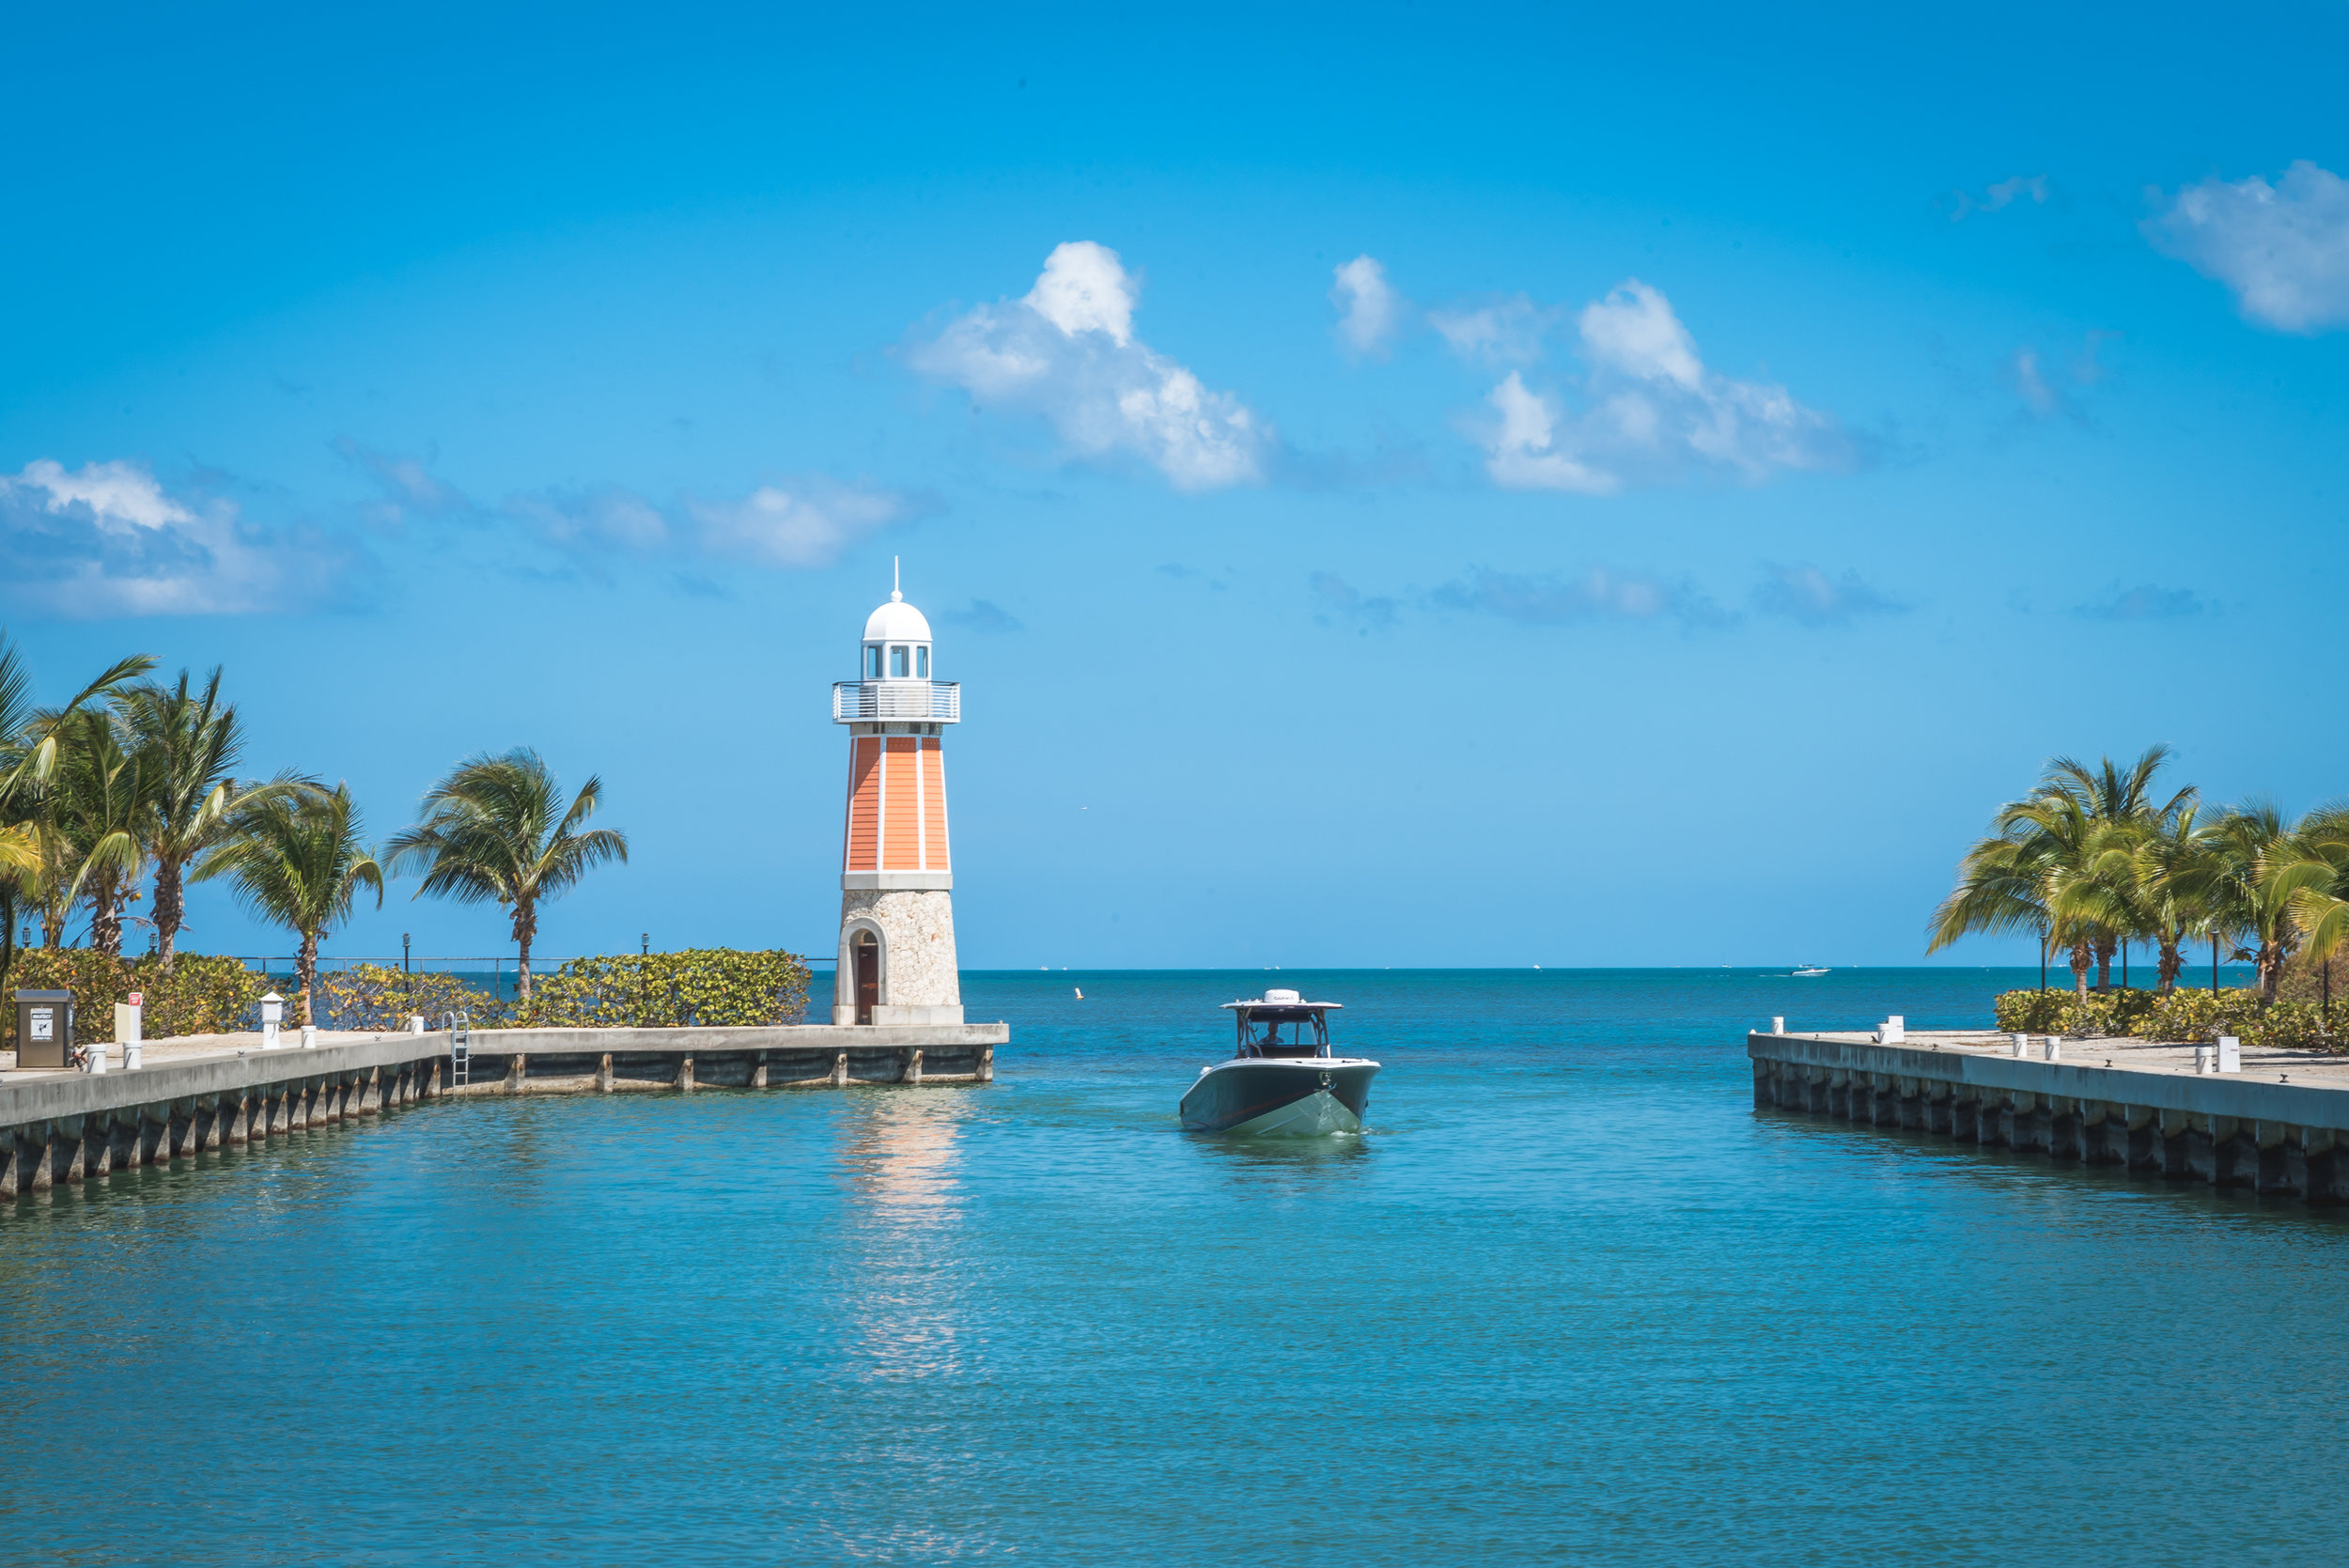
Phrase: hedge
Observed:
(716, 986)
(2186, 1015)
(200, 994)
(204, 994)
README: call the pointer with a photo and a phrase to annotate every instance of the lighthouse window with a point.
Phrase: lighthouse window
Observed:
(898, 658)
(922, 662)
(872, 661)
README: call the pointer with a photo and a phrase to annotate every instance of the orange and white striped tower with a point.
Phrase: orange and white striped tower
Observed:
(896, 883)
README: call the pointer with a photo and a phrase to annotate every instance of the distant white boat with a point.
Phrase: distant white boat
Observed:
(1809, 971)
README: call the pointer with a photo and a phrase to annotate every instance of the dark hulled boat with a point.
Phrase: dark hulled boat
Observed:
(1282, 1081)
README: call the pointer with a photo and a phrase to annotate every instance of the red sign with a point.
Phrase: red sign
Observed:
(138, 998)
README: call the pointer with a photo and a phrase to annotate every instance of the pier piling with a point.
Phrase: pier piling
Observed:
(2254, 1129)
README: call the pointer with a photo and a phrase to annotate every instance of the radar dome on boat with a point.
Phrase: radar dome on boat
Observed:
(1271, 994)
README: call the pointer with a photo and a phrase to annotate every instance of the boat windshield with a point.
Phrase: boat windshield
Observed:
(1283, 1032)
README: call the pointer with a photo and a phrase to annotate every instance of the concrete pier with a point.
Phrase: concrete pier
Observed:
(210, 1091)
(2277, 1127)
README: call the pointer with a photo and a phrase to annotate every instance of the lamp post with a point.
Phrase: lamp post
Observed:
(2213, 963)
(403, 953)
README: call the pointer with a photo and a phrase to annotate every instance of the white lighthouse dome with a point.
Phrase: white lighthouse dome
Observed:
(896, 622)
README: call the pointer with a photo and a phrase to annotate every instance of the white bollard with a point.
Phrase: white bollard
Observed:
(2055, 1047)
(96, 1061)
(415, 1023)
(2230, 1054)
(2203, 1055)
(2022, 1045)
(132, 1051)
(309, 1036)
(1778, 1026)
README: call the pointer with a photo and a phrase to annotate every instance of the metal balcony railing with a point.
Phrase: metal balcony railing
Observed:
(936, 701)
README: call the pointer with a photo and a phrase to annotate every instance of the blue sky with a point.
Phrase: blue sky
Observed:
(1398, 486)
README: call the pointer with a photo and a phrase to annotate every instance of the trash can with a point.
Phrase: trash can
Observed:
(44, 1029)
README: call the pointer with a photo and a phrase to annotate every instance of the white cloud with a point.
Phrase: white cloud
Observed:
(2145, 602)
(1369, 309)
(608, 515)
(1804, 594)
(1634, 330)
(806, 524)
(2282, 248)
(1592, 593)
(408, 483)
(2030, 385)
(1651, 410)
(2002, 194)
(108, 539)
(1067, 351)
(1497, 332)
(1521, 452)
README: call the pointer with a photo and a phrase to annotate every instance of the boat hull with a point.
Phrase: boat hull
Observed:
(1259, 1097)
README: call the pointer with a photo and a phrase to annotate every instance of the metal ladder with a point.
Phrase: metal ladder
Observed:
(460, 1026)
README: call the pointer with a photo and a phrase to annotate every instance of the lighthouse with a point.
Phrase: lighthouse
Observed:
(897, 879)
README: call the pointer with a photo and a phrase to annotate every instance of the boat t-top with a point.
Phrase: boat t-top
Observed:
(1282, 1081)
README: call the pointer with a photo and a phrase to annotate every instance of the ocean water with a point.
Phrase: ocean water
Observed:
(1569, 1299)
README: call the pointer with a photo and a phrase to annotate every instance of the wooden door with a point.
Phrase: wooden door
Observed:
(867, 975)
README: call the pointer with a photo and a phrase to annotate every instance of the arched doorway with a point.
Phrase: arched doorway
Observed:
(864, 949)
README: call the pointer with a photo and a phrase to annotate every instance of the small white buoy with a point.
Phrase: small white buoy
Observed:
(1081, 993)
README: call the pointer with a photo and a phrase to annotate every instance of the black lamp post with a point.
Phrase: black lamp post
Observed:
(403, 953)
(2213, 963)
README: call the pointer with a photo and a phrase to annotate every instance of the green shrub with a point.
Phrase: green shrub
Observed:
(202, 993)
(709, 986)
(2186, 1015)
(209, 995)
(666, 990)
(376, 997)
(2048, 1012)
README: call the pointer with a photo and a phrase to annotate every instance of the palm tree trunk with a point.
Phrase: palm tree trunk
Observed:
(2080, 960)
(105, 919)
(2104, 946)
(2271, 964)
(305, 970)
(170, 902)
(2170, 964)
(525, 928)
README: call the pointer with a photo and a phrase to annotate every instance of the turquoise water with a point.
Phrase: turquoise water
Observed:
(1571, 1300)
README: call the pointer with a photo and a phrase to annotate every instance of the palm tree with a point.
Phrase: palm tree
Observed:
(2002, 887)
(2051, 865)
(98, 799)
(37, 861)
(2120, 800)
(496, 829)
(191, 742)
(2165, 858)
(296, 857)
(2315, 881)
(2238, 881)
